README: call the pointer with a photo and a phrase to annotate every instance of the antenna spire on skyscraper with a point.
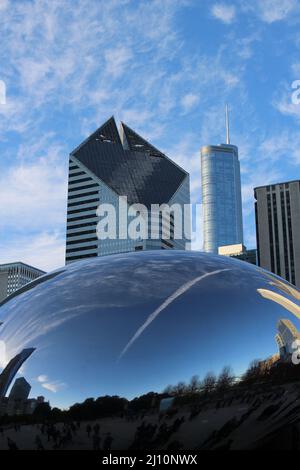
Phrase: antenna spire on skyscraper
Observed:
(227, 126)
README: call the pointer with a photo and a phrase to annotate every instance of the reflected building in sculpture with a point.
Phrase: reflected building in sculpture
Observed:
(221, 195)
(20, 389)
(8, 374)
(287, 334)
(108, 165)
(94, 324)
(239, 252)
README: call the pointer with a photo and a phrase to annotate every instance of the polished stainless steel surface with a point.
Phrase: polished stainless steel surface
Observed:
(133, 323)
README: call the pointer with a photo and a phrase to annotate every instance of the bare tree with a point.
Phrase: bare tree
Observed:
(180, 388)
(194, 384)
(169, 390)
(225, 379)
(209, 382)
(253, 372)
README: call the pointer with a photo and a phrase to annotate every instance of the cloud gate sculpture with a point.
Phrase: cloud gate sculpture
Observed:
(145, 325)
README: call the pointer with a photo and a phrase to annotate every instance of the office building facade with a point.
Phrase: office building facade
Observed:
(277, 212)
(13, 276)
(221, 195)
(109, 165)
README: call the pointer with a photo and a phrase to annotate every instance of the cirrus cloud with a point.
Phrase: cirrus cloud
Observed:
(224, 12)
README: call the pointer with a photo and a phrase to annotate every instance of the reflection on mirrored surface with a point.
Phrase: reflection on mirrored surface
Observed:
(178, 329)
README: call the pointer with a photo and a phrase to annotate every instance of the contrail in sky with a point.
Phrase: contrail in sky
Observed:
(184, 288)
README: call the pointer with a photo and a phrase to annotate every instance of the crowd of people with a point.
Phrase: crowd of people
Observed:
(63, 436)
(153, 436)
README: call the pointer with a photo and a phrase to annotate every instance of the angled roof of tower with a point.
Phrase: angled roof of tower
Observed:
(133, 168)
(133, 141)
(108, 132)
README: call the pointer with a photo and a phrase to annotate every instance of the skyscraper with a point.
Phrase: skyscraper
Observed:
(221, 195)
(13, 276)
(108, 165)
(20, 389)
(277, 210)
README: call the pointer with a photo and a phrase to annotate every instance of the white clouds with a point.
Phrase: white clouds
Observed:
(52, 386)
(33, 194)
(117, 60)
(224, 12)
(70, 65)
(285, 103)
(80, 62)
(42, 378)
(3, 5)
(136, 117)
(268, 11)
(189, 101)
(274, 10)
(44, 250)
(285, 145)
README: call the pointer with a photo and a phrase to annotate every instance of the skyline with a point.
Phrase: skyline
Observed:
(166, 77)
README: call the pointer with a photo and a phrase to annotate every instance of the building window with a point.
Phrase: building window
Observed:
(290, 230)
(285, 241)
(271, 233)
(275, 215)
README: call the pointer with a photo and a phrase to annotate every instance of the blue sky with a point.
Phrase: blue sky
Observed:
(166, 68)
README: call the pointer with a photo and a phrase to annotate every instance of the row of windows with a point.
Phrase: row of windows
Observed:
(73, 166)
(78, 196)
(78, 257)
(285, 244)
(78, 173)
(273, 187)
(95, 185)
(81, 180)
(78, 234)
(271, 233)
(84, 217)
(88, 201)
(276, 235)
(85, 240)
(290, 229)
(87, 224)
(84, 209)
(83, 248)
(288, 247)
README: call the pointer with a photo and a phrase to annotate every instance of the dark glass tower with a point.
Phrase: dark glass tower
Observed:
(277, 211)
(108, 165)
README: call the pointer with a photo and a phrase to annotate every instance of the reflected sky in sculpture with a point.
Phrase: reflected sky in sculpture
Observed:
(132, 323)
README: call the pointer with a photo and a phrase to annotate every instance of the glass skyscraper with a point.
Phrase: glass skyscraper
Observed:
(109, 165)
(221, 196)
